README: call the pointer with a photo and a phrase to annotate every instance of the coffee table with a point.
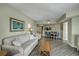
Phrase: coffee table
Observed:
(45, 48)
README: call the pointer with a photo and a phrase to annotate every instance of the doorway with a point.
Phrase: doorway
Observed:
(65, 31)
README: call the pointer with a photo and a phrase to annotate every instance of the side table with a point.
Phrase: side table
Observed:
(3, 53)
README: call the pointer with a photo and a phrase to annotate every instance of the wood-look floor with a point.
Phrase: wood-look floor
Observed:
(59, 48)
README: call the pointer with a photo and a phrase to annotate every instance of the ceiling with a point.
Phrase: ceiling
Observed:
(45, 11)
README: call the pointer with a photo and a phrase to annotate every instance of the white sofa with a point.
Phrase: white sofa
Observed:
(39, 36)
(20, 44)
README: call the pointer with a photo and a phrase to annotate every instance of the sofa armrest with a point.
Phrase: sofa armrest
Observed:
(13, 48)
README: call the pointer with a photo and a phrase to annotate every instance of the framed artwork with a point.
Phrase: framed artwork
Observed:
(16, 25)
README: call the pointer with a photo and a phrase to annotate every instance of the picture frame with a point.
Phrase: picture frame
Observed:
(16, 25)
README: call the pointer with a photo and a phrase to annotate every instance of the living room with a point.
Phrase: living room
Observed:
(24, 26)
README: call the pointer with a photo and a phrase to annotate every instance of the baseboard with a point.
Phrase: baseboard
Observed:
(72, 45)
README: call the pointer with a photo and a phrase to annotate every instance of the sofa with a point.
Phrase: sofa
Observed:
(39, 36)
(20, 45)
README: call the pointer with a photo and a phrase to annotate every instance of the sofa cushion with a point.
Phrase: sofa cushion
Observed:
(32, 37)
(8, 41)
(20, 40)
(23, 38)
(27, 44)
(16, 43)
(12, 48)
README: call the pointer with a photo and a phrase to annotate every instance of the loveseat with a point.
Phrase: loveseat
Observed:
(20, 45)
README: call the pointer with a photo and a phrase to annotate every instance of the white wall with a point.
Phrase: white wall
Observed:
(75, 25)
(75, 28)
(65, 31)
(71, 14)
(5, 13)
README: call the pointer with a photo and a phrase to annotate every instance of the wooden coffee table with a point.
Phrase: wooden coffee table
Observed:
(3, 53)
(45, 48)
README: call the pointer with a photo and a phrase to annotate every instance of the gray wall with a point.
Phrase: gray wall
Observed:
(6, 12)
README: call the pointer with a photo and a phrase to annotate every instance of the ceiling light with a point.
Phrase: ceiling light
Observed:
(48, 22)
